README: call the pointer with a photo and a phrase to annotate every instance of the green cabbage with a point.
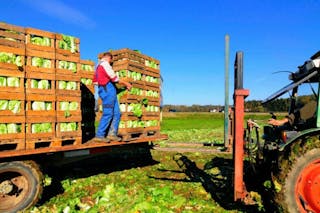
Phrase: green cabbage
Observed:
(3, 81)
(71, 85)
(18, 61)
(73, 105)
(62, 85)
(34, 84)
(4, 104)
(41, 128)
(68, 127)
(68, 43)
(43, 84)
(38, 105)
(64, 105)
(122, 107)
(14, 106)
(48, 106)
(13, 81)
(36, 61)
(13, 128)
(63, 65)
(46, 63)
(86, 67)
(3, 129)
(73, 67)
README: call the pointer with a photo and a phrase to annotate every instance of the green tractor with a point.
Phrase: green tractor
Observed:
(293, 149)
(290, 151)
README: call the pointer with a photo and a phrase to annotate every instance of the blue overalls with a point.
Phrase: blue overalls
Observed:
(111, 112)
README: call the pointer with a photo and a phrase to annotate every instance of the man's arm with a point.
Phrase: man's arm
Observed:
(275, 122)
(113, 77)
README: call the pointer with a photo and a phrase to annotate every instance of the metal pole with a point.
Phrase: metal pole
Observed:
(226, 88)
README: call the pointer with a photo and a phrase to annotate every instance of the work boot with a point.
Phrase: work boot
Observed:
(101, 140)
(114, 138)
(96, 106)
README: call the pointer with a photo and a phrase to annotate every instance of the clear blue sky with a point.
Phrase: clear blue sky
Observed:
(188, 37)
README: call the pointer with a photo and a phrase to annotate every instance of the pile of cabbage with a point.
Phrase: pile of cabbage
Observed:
(151, 108)
(67, 85)
(41, 127)
(138, 124)
(65, 105)
(151, 64)
(40, 84)
(41, 105)
(68, 43)
(151, 79)
(86, 81)
(136, 91)
(13, 105)
(11, 58)
(151, 93)
(136, 76)
(42, 41)
(68, 66)
(9, 81)
(86, 67)
(68, 127)
(10, 128)
(41, 62)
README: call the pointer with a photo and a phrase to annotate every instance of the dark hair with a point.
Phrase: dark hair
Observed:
(107, 54)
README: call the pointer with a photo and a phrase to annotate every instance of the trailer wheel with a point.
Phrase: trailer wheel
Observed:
(20, 185)
(302, 186)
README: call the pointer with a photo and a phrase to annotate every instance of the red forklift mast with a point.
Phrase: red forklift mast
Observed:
(239, 96)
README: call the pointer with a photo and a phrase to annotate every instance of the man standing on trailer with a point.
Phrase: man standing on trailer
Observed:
(106, 78)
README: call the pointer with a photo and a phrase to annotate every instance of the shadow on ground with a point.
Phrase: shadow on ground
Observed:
(217, 179)
(114, 159)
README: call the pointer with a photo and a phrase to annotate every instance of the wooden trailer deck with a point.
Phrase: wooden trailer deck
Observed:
(87, 145)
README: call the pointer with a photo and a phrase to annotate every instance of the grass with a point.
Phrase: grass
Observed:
(200, 127)
(153, 182)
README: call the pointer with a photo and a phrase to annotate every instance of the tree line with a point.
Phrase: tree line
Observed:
(278, 105)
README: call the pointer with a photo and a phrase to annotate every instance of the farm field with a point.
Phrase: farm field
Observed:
(154, 181)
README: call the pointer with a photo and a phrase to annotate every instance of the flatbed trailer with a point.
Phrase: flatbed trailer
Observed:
(21, 177)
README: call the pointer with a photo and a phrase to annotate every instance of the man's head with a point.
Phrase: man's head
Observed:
(107, 56)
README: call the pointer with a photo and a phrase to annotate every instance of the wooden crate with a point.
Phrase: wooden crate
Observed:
(126, 54)
(30, 68)
(13, 73)
(127, 65)
(54, 143)
(84, 72)
(67, 52)
(60, 71)
(13, 96)
(11, 35)
(30, 120)
(63, 92)
(73, 114)
(69, 58)
(17, 52)
(152, 72)
(40, 76)
(12, 137)
(71, 134)
(30, 98)
(40, 54)
(30, 32)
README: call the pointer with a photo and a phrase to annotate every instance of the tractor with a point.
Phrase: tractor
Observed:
(289, 154)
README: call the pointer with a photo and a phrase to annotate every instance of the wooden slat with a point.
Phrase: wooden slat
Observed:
(89, 145)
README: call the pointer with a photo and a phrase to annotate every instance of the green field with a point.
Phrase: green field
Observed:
(200, 127)
(160, 182)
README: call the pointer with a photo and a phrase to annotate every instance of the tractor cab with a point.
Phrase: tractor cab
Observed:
(302, 117)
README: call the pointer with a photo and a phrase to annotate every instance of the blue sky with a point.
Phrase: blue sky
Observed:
(187, 37)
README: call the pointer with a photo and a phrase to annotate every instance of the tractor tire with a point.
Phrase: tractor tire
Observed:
(20, 185)
(297, 182)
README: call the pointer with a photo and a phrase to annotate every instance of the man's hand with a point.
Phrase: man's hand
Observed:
(275, 122)
(129, 86)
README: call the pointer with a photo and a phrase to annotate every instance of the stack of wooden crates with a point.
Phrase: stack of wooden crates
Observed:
(143, 72)
(48, 90)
